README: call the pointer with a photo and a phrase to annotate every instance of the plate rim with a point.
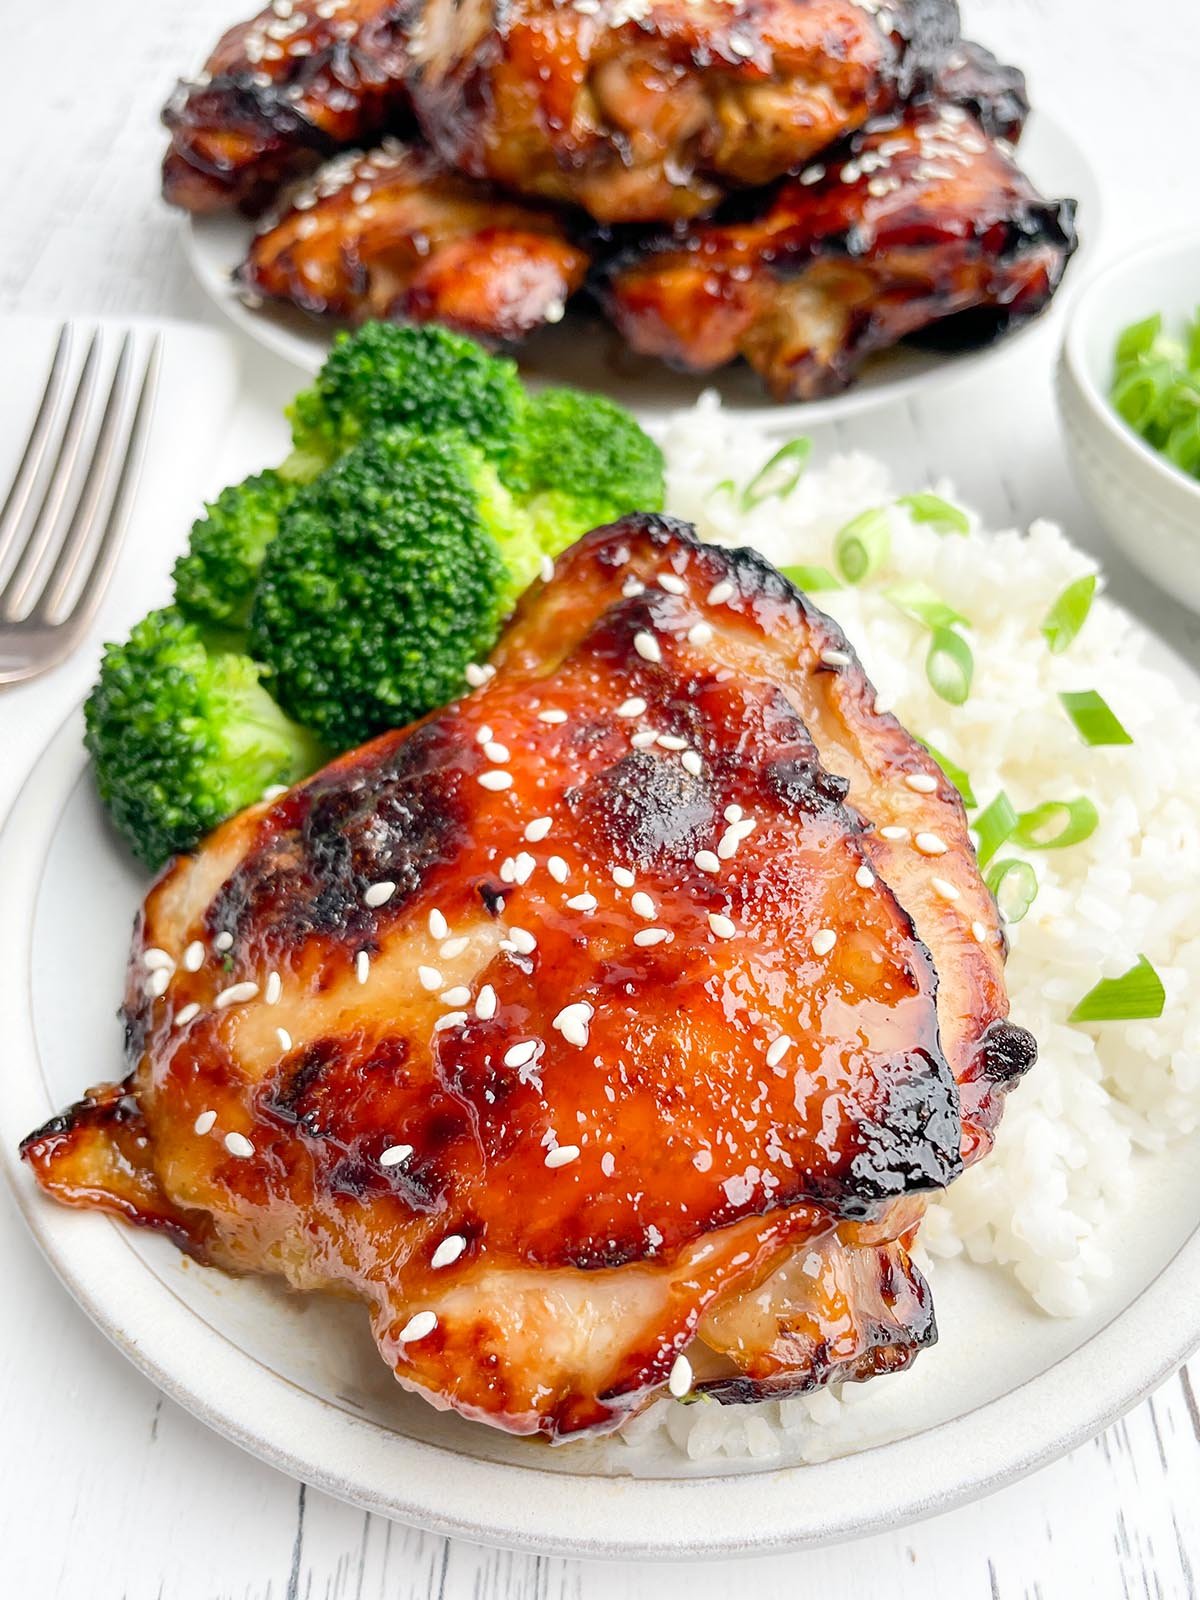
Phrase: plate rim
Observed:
(855, 401)
(591, 1516)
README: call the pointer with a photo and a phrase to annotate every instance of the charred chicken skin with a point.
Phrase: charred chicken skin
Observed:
(395, 234)
(614, 1012)
(903, 227)
(642, 110)
(281, 92)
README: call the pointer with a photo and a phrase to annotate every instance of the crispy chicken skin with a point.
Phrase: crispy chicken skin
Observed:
(281, 92)
(643, 110)
(971, 76)
(395, 234)
(674, 1070)
(903, 227)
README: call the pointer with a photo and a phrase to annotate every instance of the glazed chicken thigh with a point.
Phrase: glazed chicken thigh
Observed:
(625, 1011)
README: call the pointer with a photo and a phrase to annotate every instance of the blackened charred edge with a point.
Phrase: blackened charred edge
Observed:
(112, 1103)
(1005, 1053)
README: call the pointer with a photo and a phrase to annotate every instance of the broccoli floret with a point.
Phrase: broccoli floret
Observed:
(182, 736)
(582, 462)
(389, 575)
(387, 375)
(214, 581)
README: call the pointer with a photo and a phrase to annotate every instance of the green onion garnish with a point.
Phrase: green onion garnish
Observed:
(1015, 886)
(1156, 388)
(923, 604)
(863, 545)
(726, 486)
(1138, 339)
(811, 579)
(954, 772)
(1094, 722)
(949, 665)
(1069, 613)
(780, 475)
(1056, 824)
(938, 513)
(993, 826)
(1135, 994)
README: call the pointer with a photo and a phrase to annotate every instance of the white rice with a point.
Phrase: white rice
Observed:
(1040, 1207)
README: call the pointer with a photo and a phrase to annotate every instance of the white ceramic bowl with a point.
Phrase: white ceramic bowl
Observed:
(1150, 507)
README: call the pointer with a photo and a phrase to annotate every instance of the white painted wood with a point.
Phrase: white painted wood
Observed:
(110, 1490)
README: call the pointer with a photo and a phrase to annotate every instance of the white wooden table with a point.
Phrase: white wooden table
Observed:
(110, 1490)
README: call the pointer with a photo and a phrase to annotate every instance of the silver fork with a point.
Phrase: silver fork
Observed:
(62, 523)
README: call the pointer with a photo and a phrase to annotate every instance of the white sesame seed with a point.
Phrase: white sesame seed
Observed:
(733, 836)
(643, 906)
(475, 675)
(238, 1145)
(721, 925)
(893, 833)
(452, 1019)
(979, 932)
(438, 926)
(448, 1252)
(680, 1381)
(523, 943)
(453, 948)
(496, 780)
(835, 658)
(672, 741)
(733, 813)
(235, 995)
(552, 716)
(185, 1014)
(430, 978)
(864, 878)
(395, 1154)
(672, 584)
(483, 734)
(646, 646)
(547, 567)
(631, 708)
(582, 902)
(823, 941)
(154, 960)
(193, 956)
(285, 1039)
(644, 739)
(720, 592)
(496, 752)
(558, 869)
(378, 894)
(521, 1054)
(608, 1164)
(572, 1022)
(930, 844)
(362, 966)
(632, 586)
(944, 888)
(651, 936)
(157, 983)
(418, 1327)
(707, 861)
(486, 1003)
(523, 867)
(623, 878)
(562, 1155)
(223, 942)
(692, 763)
(205, 1123)
(700, 633)
(777, 1049)
(457, 995)
(537, 830)
(274, 989)
(921, 782)
(508, 870)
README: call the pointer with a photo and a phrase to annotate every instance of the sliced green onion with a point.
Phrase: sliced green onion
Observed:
(1015, 886)
(954, 772)
(949, 665)
(863, 545)
(936, 512)
(811, 579)
(1135, 994)
(923, 604)
(1094, 722)
(1069, 613)
(1056, 824)
(726, 486)
(780, 475)
(993, 827)
(1138, 338)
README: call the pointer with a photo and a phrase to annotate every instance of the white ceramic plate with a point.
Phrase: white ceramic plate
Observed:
(584, 353)
(296, 1380)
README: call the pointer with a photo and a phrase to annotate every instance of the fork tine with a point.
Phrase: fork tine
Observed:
(107, 550)
(108, 452)
(43, 429)
(42, 530)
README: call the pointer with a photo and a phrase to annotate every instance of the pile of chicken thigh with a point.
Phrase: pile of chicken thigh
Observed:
(794, 183)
